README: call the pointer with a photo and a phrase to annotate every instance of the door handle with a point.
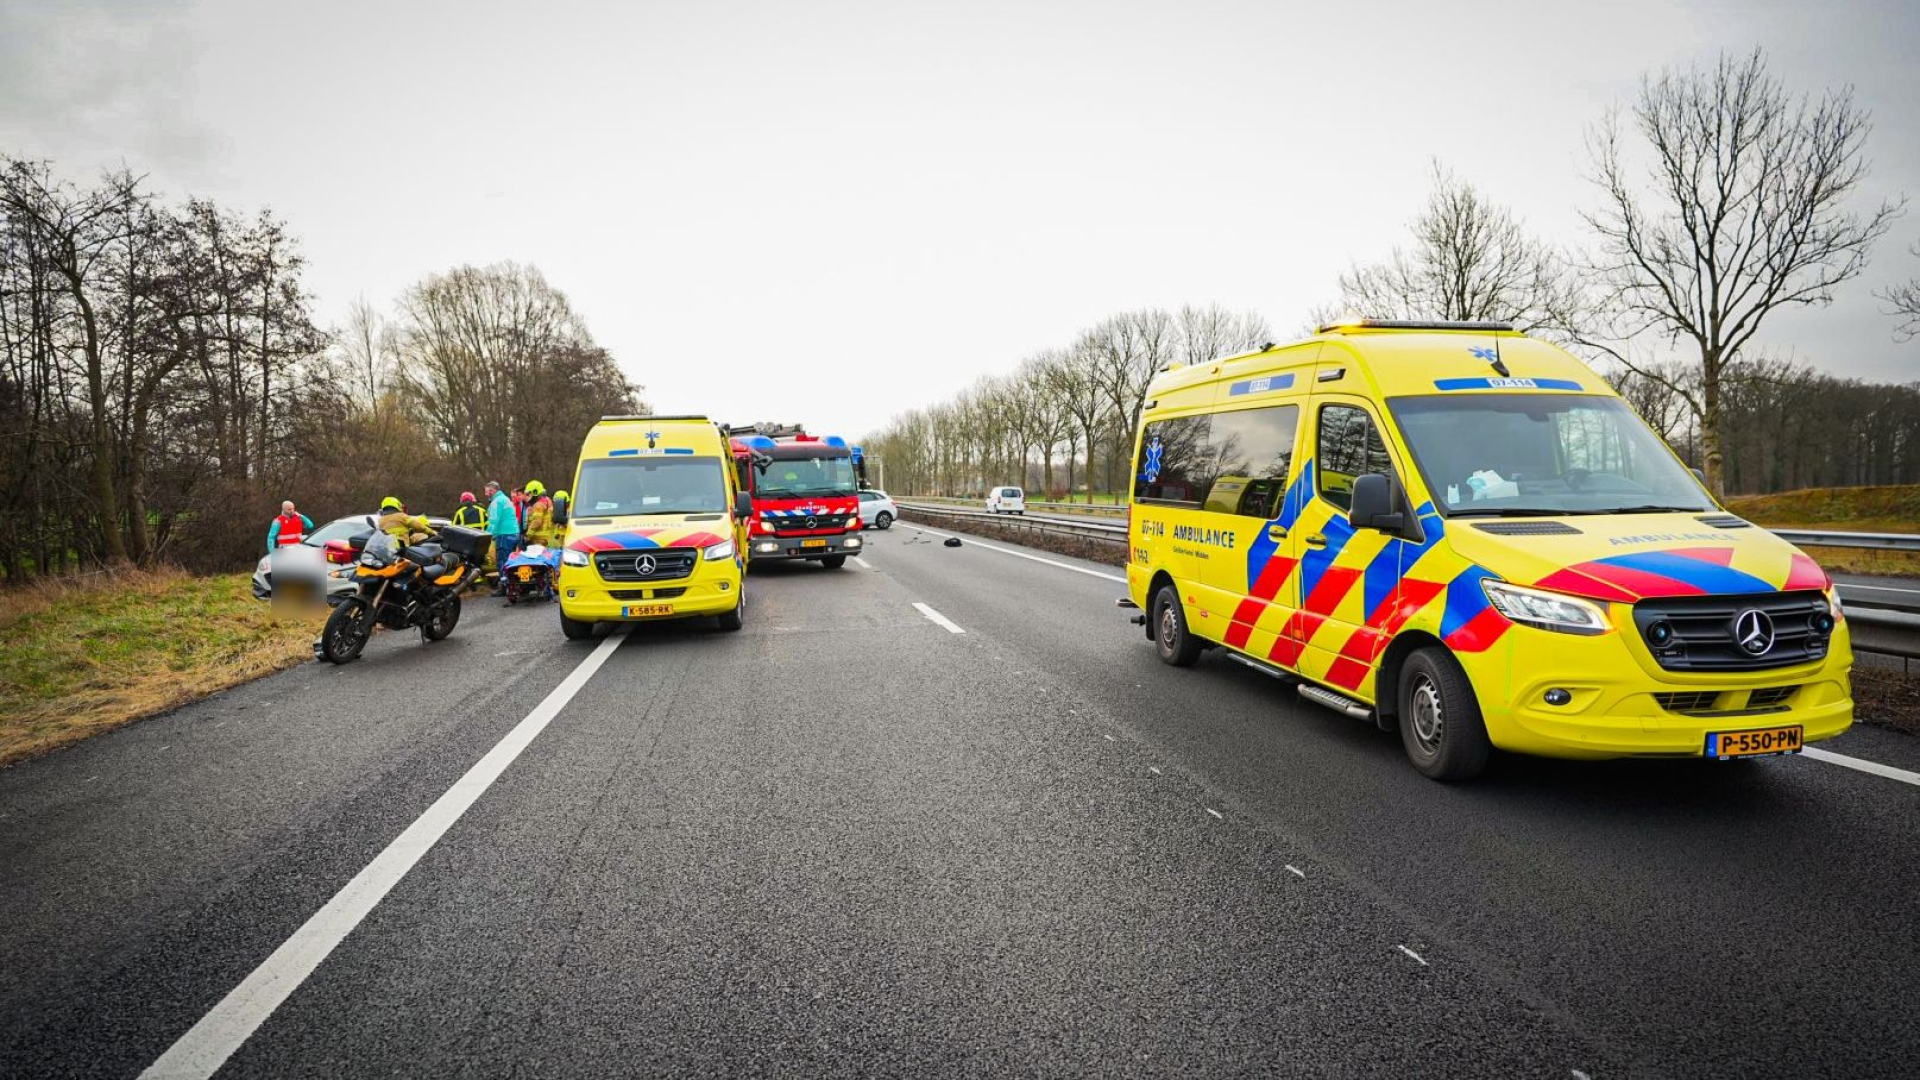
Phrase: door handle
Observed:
(1317, 540)
(1276, 532)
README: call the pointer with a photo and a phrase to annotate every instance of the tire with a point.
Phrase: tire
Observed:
(735, 619)
(346, 632)
(1171, 640)
(834, 562)
(1440, 723)
(446, 615)
(575, 629)
(883, 521)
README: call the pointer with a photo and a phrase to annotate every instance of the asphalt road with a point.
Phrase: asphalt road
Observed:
(850, 840)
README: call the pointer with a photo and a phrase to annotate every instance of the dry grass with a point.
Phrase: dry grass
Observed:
(1892, 508)
(83, 655)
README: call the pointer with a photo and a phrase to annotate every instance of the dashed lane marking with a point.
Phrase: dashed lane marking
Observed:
(860, 562)
(1215, 813)
(208, 1044)
(1154, 770)
(1413, 954)
(938, 619)
(1296, 871)
(1023, 555)
(1862, 765)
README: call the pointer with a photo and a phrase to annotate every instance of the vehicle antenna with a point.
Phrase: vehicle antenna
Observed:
(1499, 365)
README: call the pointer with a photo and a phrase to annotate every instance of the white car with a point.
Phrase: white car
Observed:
(1006, 500)
(876, 509)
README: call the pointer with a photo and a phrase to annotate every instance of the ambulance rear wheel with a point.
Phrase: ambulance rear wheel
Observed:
(1175, 645)
(575, 629)
(1440, 723)
(834, 562)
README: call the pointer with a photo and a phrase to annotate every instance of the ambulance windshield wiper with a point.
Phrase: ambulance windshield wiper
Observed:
(1514, 511)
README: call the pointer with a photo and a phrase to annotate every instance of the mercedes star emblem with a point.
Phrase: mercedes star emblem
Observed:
(1754, 631)
(645, 565)
(813, 523)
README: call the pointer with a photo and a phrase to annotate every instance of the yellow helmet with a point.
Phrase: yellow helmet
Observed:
(535, 487)
(391, 503)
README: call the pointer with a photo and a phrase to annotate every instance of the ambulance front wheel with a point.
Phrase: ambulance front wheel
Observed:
(1440, 723)
(737, 618)
(575, 629)
(1170, 638)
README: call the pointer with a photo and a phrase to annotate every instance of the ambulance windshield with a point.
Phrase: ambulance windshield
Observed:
(617, 487)
(1520, 455)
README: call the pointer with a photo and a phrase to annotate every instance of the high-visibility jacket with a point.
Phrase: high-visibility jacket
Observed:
(405, 528)
(470, 516)
(539, 526)
(287, 529)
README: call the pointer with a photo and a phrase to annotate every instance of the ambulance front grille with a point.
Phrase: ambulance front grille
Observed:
(667, 563)
(1698, 631)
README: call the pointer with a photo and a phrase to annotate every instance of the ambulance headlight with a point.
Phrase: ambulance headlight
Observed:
(575, 558)
(721, 550)
(1545, 610)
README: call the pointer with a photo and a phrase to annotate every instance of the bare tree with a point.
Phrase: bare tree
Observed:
(1471, 260)
(1905, 298)
(1741, 210)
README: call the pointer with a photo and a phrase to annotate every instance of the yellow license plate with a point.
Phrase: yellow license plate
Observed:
(813, 543)
(641, 611)
(1776, 740)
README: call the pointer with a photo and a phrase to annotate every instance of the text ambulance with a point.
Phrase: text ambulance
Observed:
(658, 528)
(1461, 532)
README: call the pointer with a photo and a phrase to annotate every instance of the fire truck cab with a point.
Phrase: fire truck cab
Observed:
(805, 492)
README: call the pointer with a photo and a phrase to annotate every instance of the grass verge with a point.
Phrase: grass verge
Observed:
(1887, 699)
(81, 656)
(1889, 508)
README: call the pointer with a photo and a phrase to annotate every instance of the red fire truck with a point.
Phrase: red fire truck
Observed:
(805, 497)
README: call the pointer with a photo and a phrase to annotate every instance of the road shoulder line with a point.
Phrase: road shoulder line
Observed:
(1020, 554)
(1862, 765)
(208, 1044)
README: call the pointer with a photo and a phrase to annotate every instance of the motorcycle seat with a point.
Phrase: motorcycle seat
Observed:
(422, 553)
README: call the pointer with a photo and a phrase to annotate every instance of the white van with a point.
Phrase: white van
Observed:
(1006, 500)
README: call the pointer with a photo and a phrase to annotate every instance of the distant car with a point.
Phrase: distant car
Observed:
(876, 509)
(322, 562)
(1006, 500)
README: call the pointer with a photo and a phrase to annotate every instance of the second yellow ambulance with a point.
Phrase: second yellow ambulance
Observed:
(1462, 533)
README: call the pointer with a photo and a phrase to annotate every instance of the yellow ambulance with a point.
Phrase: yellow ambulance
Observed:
(1462, 533)
(658, 529)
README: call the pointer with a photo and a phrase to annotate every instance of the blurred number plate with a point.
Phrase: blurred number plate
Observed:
(1779, 740)
(636, 611)
(813, 543)
(526, 572)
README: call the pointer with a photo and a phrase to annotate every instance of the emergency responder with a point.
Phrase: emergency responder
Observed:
(405, 528)
(539, 518)
(505, 528)
(562, 505)
(289, 528)
(470, 515)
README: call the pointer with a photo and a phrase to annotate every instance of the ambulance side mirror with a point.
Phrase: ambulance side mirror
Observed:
(1373, 505)
(742, 504)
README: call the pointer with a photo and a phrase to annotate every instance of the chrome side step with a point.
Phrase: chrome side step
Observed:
(1263, 667)
(1320, 695)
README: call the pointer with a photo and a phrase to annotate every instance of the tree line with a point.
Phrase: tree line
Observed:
(1721, 198)
(164, 383)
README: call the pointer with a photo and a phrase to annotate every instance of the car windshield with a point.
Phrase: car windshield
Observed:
(346, 528)
(806, 478)
(622, 487)
(1517, 455)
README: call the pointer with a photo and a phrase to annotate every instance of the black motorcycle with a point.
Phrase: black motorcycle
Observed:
(401, 586)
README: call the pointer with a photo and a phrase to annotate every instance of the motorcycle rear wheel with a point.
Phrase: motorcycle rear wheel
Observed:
(346, 632)
(445, 616)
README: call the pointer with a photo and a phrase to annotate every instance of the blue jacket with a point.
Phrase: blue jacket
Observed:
(501, 520)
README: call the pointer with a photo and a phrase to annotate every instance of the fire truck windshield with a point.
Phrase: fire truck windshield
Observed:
(805, 478)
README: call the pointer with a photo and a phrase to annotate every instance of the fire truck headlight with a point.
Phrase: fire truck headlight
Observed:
(853, 541)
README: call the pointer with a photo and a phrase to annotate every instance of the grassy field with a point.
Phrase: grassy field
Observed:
(82, 656)
(1893, 509)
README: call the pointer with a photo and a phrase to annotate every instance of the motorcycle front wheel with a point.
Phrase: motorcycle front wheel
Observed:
(441, 620)
(346, 632)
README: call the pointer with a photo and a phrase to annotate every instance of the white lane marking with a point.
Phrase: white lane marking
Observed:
(1215, 813)
(1863, 765)
(1295, 871)
(1578, 1075)
(937, 618)
(1110, 738)
(1154, 770)
(860, 562)
(207, 1045)
(1024, 555)
(1411, 953)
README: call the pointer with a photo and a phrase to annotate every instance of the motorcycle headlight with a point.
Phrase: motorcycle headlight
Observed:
(721, 550)
(575, 558)
(369, 559)
(1545, 610)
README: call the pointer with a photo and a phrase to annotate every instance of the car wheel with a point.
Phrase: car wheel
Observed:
(1440, 722)
(883, 521)
(575, 629)
(1175, 645)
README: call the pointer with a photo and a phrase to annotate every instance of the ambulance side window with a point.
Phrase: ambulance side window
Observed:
(1175, 465)
(1349, 446)
(1252, 454)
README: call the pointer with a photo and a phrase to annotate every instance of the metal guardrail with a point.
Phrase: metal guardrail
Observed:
(1835, 538)
(1888, 627)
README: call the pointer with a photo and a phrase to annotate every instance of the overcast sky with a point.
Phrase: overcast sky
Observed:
(828, 212)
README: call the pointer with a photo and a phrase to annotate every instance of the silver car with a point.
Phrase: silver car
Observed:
(876, 509)
(303, 567)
